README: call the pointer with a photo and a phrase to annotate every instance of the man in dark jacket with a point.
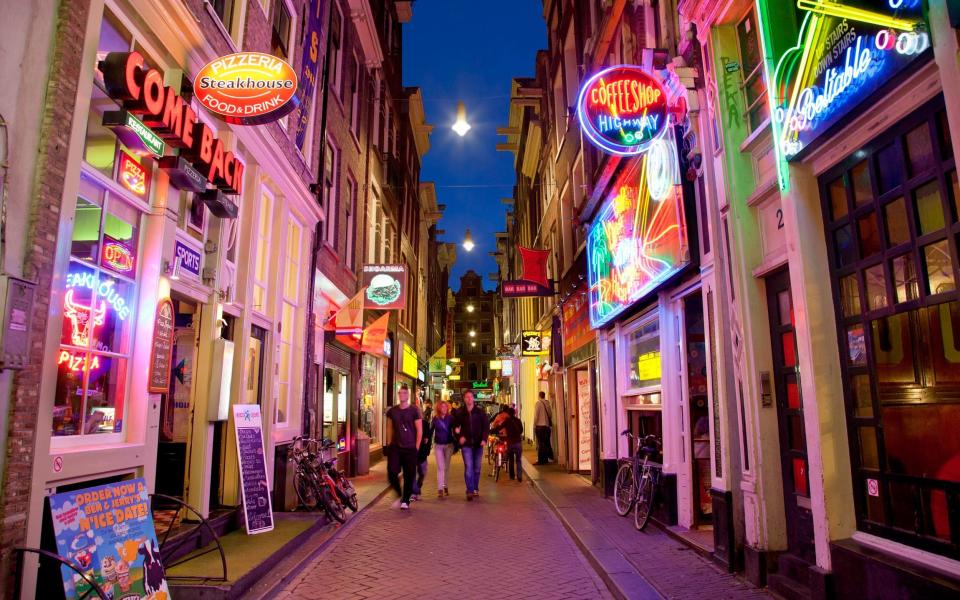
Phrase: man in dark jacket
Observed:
(512, 429)
(471, 428)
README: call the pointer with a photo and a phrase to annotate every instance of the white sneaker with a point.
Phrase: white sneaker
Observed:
(404, 506)
(414, 497)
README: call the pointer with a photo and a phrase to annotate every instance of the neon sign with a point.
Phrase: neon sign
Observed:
(78, 363)
(845, 53)
(105, 288)
(117, 256)
(84, 320)
(133, 175)
(638, 239)
(622, 110)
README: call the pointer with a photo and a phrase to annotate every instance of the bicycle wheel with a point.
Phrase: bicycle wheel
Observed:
(644, 502)
(623, 490)
(349, 494)
(332, 505)
(306, 491)
(498, 466)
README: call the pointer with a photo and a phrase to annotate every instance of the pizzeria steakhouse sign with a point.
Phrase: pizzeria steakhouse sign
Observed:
(622, 110)
(247, 88)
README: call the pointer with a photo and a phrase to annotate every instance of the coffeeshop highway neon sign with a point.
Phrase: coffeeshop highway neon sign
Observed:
(623, 110)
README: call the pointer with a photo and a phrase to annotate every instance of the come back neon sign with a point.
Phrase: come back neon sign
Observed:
(846, 51)
(622, 110)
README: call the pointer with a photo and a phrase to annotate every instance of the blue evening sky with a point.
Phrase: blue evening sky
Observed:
(470, 50)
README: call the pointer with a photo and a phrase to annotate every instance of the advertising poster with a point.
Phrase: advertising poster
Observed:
(584, 426)
(108, 532)
(386, 287)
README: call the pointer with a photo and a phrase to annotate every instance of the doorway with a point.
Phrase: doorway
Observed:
(696, 349)
(175, 405)
(793, 441)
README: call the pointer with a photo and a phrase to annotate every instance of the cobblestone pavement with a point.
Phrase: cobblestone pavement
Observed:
(507, 544)
(673, 569)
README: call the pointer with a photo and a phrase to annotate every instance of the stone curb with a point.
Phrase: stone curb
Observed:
(624, 585)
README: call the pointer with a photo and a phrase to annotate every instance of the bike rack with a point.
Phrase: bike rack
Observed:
(167, 550)
(46, 554)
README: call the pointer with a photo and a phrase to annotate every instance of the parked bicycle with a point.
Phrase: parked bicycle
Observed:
(498, 453)
(638, 480)
(318, 482)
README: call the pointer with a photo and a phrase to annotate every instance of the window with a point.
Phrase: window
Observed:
(377, 107)
(330, 171)
(643, 355)
(894, 264)
(355, 88)
(559, 108)
(351, 230)
(224, 10)
(280, 37)
(98, 317)
(291, 322)
(751, 61)
(571, 66)
(336, 51)
(262, 261)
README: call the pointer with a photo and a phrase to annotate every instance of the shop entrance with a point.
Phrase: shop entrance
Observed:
(175, 405)
(334, 392)
(696, 349)
(793, 442)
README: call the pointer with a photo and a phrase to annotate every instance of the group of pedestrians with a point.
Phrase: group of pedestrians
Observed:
(411, 436)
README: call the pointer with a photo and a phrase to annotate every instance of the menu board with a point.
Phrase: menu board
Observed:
(162, 349)
(108, 532)
(584, 426)
(254, 485)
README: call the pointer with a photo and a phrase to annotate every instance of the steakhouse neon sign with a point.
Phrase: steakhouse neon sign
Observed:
(845, 53)
(105, 289)
(622, 110)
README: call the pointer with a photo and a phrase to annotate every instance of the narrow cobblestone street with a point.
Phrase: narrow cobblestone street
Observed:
(509, 543)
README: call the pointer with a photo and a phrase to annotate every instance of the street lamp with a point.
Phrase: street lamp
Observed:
(473, 344)
(460, 126)
(469, 308)
(473, 333)
(468, 241)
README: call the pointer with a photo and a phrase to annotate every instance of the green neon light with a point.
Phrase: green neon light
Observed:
(766, 47)
(152, 141)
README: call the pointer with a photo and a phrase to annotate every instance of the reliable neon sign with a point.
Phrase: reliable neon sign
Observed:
(622, 110)
(845, 53)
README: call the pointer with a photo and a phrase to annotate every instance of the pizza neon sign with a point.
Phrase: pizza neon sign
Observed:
(622, 110)
(844, 54)
(133, 175)
(78, 363)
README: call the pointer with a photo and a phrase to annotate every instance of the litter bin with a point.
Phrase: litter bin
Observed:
(363, 453)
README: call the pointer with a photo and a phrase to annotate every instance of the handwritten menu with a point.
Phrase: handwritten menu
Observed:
(254, 485)
(162, 350)
(585, 427)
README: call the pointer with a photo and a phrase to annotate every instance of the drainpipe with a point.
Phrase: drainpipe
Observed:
(317, 189)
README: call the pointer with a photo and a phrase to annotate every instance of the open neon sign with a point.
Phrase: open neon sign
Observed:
(117, 256)
(845, 53)
(622, 110)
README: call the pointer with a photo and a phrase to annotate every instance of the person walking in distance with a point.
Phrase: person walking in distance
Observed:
(512, 429)
(472, 428)
(423, 454)
(404, 433)
(542, 423)
(443, 442)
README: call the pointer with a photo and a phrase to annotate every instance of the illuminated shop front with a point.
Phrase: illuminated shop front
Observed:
(150, 213)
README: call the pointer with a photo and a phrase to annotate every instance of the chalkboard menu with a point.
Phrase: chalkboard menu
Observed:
(254, 485)
(162, 350)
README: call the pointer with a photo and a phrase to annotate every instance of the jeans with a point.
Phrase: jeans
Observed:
(444, 452)
(544, 449)
(472, 463)
(514, 452)
(402, 459)
(421, 473)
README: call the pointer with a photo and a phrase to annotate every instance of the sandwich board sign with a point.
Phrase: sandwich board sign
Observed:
(254, 485)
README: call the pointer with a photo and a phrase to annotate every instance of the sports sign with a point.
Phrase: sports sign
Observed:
(622, 109)
(386, 287)
(845, 53)
(247, 88)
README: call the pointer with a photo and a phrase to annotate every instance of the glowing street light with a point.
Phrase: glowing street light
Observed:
(473, 344)
(473, 333)
(468, 242)
(460, 125)
(469, 308)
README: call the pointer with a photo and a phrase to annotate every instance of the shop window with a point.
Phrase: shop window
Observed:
(291, 324)
(754, 84)
(263, 253)
(943, 135)
(371, 403)
(643, 355)
(869, 235)
(98, 314)
(838, 198)
(860, 177)
(903, 364)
